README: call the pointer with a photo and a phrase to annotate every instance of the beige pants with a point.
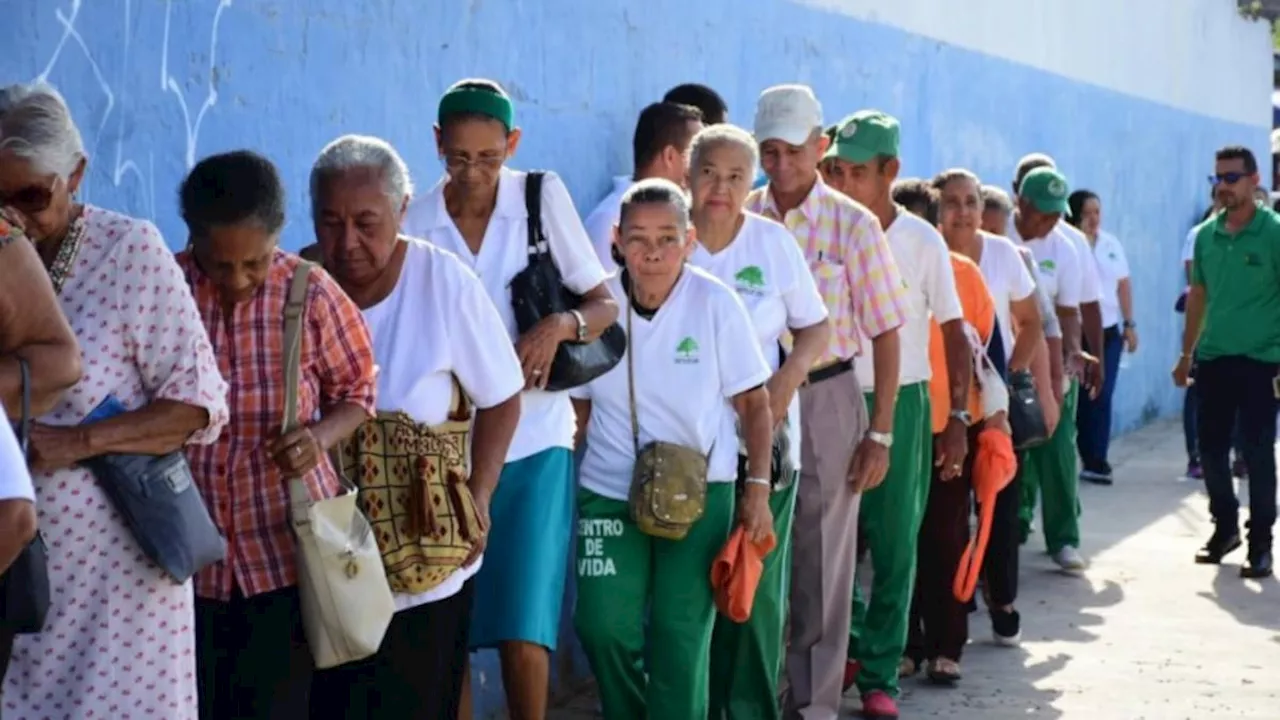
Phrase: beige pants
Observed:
(824, 537)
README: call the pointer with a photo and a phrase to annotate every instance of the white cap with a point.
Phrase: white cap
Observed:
(789, 113)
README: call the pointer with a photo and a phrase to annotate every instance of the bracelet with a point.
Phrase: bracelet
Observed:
(759, 481)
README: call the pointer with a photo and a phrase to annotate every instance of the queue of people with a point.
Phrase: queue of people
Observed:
(811, 369)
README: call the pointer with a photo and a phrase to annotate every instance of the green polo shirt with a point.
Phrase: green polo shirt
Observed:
(1241, 276)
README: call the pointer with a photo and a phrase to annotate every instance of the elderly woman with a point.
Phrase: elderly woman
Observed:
(693, 361)
(759, 259)
(253, 659)
(1031, 340)
(479, 212)
(1119, 335)
(440, 345)
(118, 638)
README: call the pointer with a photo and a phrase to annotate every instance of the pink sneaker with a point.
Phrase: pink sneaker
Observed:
(877, 705)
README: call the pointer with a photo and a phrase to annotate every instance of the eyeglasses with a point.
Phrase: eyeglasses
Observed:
(487, 161)
(1230, 178)
(31, 199)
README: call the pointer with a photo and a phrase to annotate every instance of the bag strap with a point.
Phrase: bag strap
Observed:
(537, 237)
(295, 308)
(24, 423)
(631, 375)
(460, 406)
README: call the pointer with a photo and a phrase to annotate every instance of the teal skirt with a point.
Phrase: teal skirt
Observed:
(520, 586)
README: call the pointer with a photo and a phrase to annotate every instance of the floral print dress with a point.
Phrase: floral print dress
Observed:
(119, 640)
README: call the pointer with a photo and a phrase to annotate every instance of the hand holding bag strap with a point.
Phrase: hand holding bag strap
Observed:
(533, 206)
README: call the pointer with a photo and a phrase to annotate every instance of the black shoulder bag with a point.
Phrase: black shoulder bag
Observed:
(538, 291)
(24, 588)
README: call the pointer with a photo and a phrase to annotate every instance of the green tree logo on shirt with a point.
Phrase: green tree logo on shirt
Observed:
(1048, 266)
(687, 350)
(750, 277)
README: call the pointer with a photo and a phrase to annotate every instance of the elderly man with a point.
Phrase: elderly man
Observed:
(1051, 468)
(863, 163)
(1232, 334)
(844, 452)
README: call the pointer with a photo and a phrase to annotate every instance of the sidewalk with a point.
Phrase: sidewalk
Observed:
(1147, 635)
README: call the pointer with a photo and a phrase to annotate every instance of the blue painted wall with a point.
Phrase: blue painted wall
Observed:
(156, 84)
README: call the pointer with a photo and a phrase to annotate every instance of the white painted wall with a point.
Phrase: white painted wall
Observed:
(1116, 44)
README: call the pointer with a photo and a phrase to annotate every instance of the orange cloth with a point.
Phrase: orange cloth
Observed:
(736, 572)
(993, 469)
(980, 312)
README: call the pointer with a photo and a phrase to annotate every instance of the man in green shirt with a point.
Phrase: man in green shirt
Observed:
(1232, 337)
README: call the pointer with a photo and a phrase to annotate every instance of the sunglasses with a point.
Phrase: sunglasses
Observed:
(1230, 178)
(31, 199)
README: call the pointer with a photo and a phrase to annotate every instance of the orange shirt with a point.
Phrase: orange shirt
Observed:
(980, 312)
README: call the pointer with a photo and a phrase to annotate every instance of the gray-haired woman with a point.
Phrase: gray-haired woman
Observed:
(692, 364)
(442, 350)
(761, 261)
(118, 638)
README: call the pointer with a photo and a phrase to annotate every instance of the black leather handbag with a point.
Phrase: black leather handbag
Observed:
(24, 587)
(539, 291)
(1026, 415)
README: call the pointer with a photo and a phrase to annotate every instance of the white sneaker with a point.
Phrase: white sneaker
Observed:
(1069, 559)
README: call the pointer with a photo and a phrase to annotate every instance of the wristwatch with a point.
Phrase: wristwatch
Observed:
(582, 325)
(885, 439)
(1130, 325)
(963, 416)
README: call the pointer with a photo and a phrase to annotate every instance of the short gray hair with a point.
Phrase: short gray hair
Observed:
(656, 191)
(350, 152)
(1031, 162)
(994, 198)
(36, 125)
(714, 136)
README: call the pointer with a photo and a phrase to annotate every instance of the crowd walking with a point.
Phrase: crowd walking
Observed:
(763, 366)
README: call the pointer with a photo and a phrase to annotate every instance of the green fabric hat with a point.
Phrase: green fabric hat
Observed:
(864, 135)
(1046, 189)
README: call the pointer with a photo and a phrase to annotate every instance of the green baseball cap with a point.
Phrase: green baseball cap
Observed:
(1046, 189)
(863, 136)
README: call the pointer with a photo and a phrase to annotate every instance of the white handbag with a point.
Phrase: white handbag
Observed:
(346, 601)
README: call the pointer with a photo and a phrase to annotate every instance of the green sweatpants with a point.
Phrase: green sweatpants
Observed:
(624, 577)
(1050, 470)
(746, 658)
(889, 524)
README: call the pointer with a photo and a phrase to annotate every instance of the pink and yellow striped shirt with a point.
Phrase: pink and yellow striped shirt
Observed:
(851, 264)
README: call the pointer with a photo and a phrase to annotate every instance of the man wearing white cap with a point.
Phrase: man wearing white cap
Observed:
(844, 452)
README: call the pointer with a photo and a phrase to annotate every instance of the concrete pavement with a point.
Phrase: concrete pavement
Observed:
(1145, 635)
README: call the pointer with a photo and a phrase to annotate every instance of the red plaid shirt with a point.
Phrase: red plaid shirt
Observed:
(247, 494)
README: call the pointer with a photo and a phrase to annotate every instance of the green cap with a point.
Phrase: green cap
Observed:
(863, 136)
(1046, 189)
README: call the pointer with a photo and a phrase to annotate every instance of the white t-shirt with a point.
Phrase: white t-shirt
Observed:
(1113, 267)
(546, 419)
(925, 263)
(1008, 280)
(764, 264)
(1189, 245)
(438, 323)
(1090, 282)
(1059, 266)
(600, 223)
(15, 479)
(697, 352)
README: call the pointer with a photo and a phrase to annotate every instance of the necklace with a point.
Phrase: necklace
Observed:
(60, 269)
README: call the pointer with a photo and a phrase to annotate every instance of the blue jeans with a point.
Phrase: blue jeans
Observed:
(1093, 415)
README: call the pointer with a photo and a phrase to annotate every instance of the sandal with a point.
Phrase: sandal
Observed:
(907, 667)
(944, 671)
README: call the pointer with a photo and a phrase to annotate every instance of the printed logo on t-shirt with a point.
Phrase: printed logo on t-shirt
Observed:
(687, 351)
(750, 280)
(1048, 266)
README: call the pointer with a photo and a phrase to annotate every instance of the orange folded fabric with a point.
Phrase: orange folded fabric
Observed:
(993, 469)
(736, 572)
